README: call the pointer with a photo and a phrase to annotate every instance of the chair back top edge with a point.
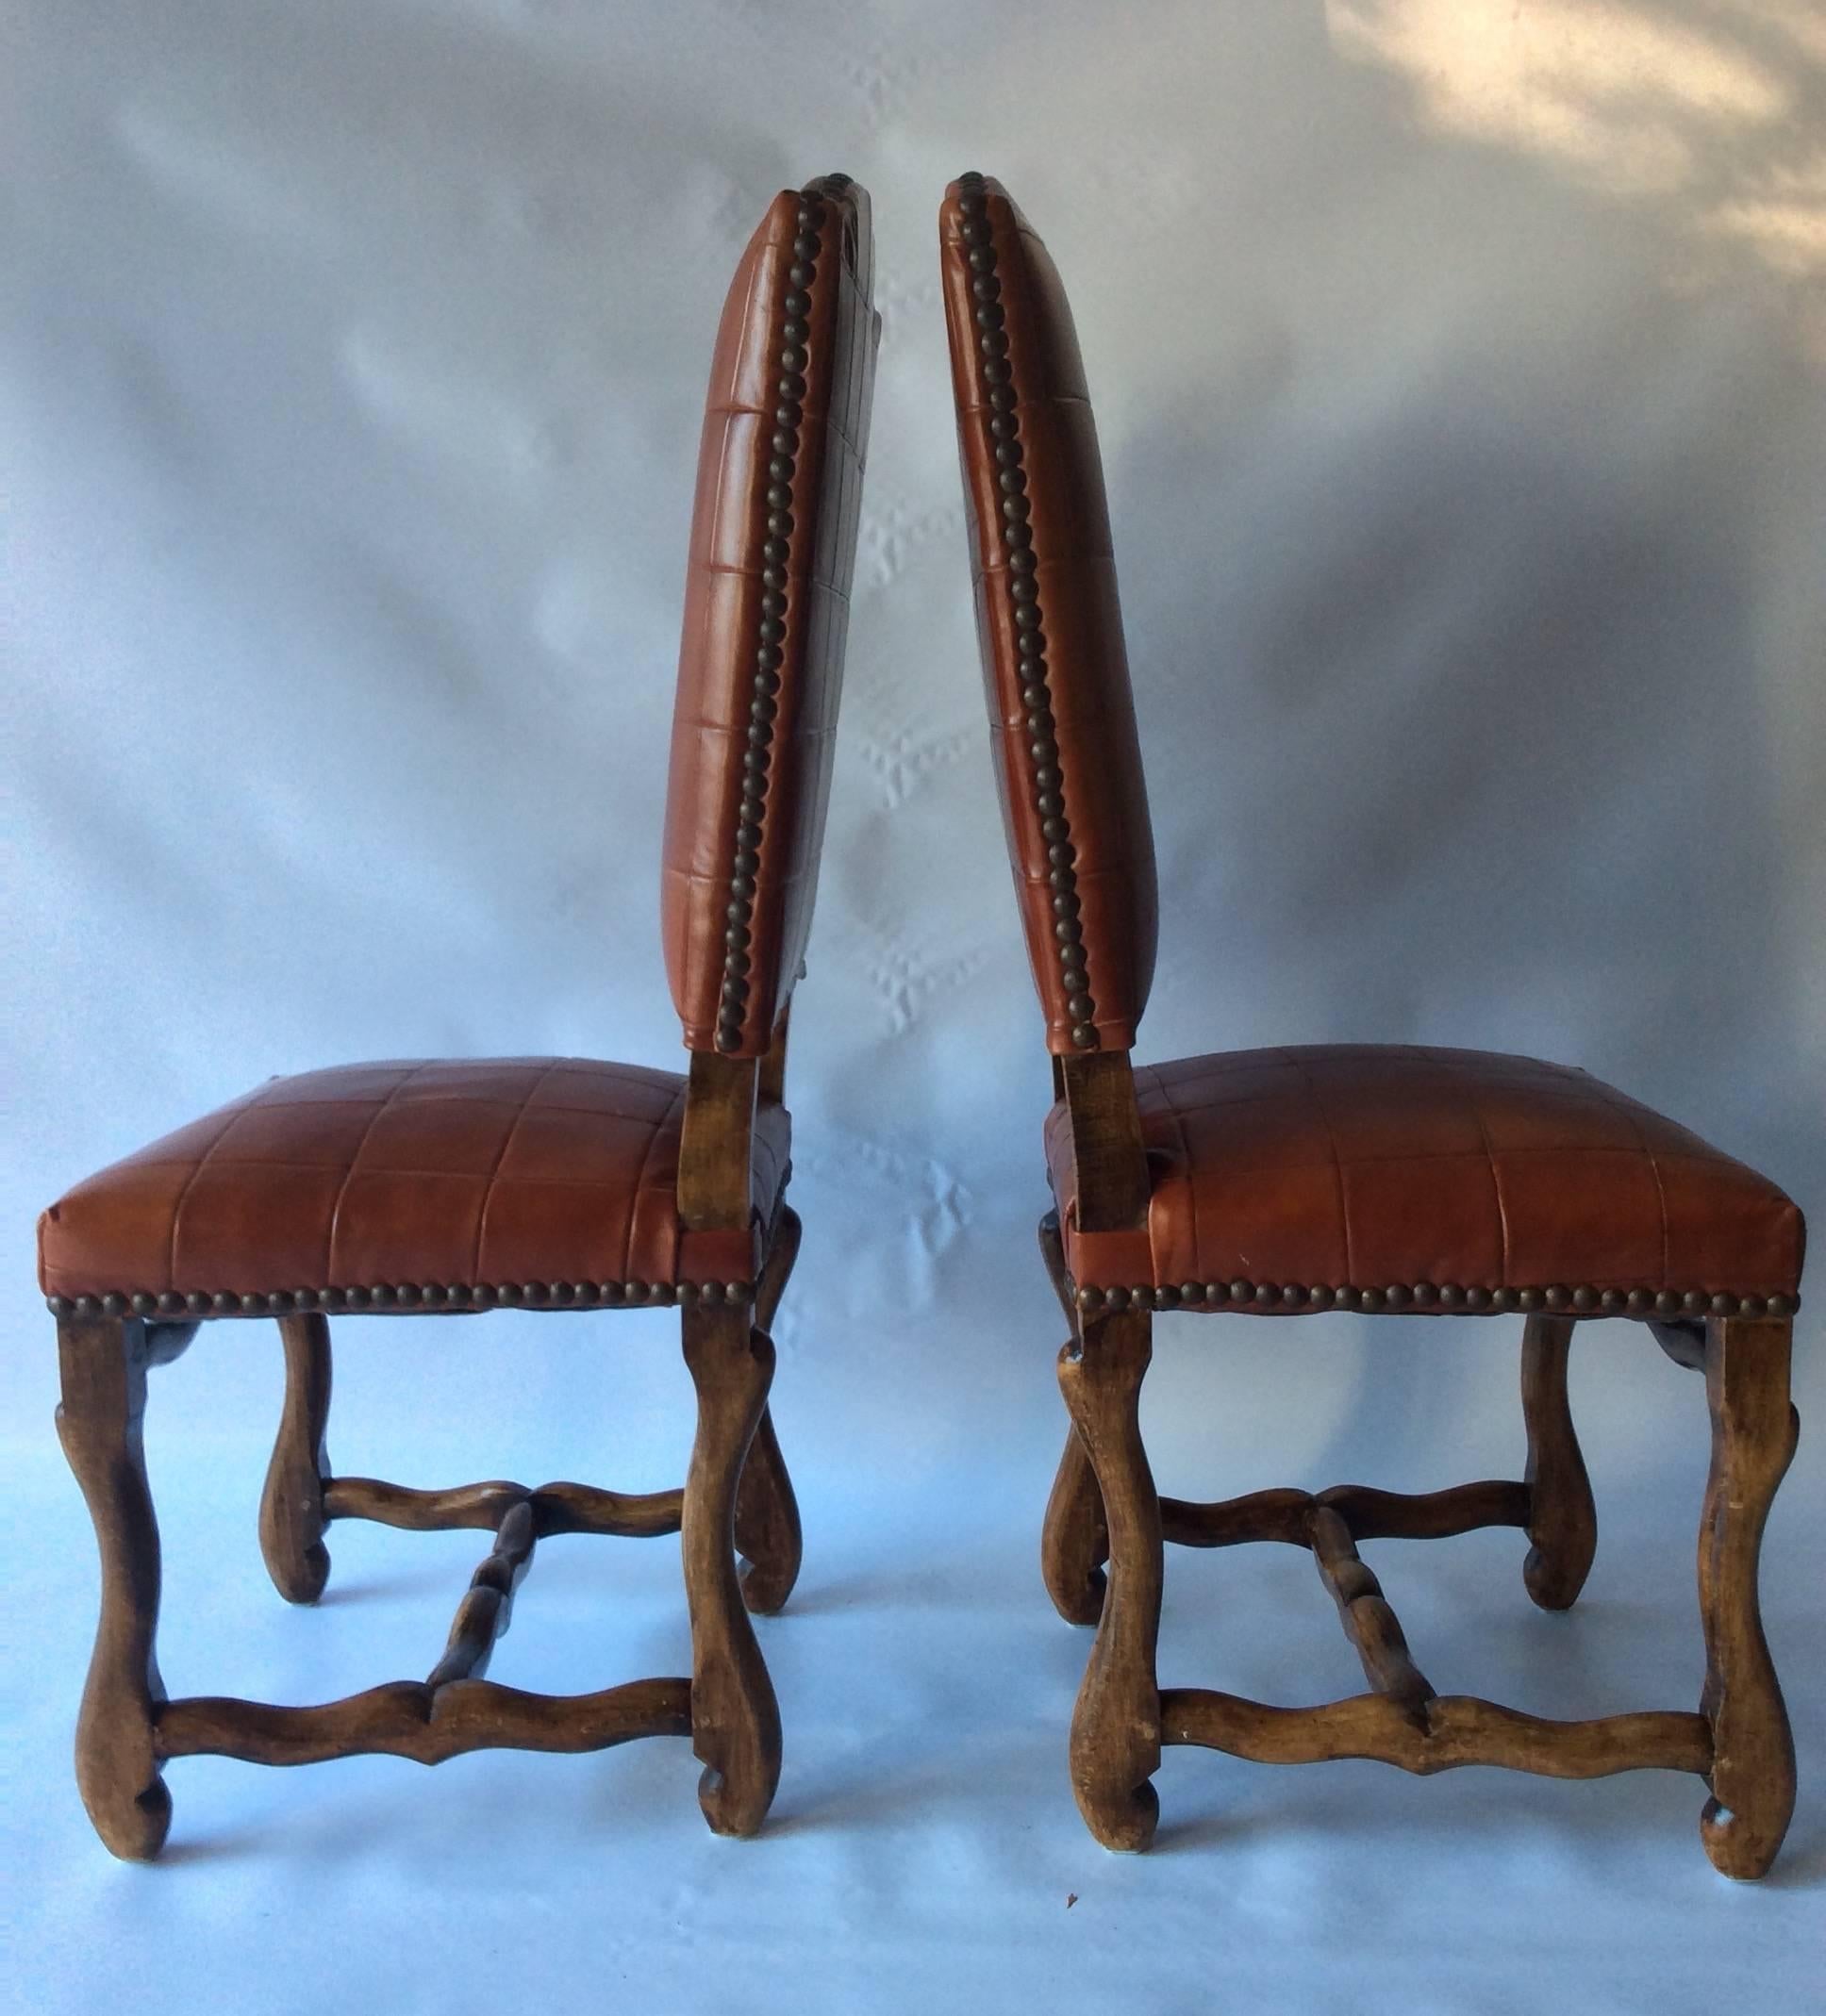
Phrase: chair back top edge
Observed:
(1067, 760)
(771, 562)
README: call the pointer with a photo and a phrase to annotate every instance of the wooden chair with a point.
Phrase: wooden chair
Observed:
(532, 1183)
(1277, 1183)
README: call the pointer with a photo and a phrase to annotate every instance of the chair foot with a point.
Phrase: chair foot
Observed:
(735, 1717)
(99, 1422)
(1562, 1520)
(292, 1505)
(1075, 1543)
(1115, 1725)
(1755, 1429)
(1124, 1824)
(767, 1525)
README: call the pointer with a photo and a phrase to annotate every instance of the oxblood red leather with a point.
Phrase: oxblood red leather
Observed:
(517, 1170)
(1378, 1167)
(1100, 762)
(722, 611)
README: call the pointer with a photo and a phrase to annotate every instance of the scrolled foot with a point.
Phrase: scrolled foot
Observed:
(1082, 1603)
(305, 1579)
(1549, 1584)
(1737, 1847)
(1124, 1823)
(734, 1806)
(132, 1825)
(765, 1587)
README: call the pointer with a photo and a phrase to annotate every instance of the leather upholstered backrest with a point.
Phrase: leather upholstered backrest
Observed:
(760, 669)
(1049, 624)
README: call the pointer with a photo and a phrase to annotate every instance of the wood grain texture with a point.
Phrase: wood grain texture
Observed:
(411, 1720)
(768, 1533)
(1368, 1623)
(715, 1146)
(1755, 1429)
(100, 1421)
(735, 1718)
(1074, 1541)
(1563, 1521)
(1106, 1144)
(483, 1615)
(292, 1505)
(559, 1508)
(1115, 1725)
(776, 1269)
(1450, 1730)
(1283, 1513)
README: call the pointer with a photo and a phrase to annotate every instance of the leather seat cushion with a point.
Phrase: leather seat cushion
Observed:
(513, 1170)
(1376, 1166)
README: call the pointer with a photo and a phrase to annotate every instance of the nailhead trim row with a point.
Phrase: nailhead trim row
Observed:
(790, 354)
(174, 1305)
(1642, 1303)
(1047, 780)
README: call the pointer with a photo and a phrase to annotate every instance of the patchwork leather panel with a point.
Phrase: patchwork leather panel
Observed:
(1373, 1166)
(517, 1169)
(723, 614)
(1090, 700)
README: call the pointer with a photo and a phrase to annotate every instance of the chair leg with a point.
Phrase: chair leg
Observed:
(1116, 1725)
(767, 1513)
(767, 1523)
(1753, 1433)
(1562, 1520)
(1075, 1543)
(99, 1423)
(292, 1505)
(735, 1718)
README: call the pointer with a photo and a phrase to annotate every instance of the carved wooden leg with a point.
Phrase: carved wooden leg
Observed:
(767, 1523)
(1562, 1521)
(767, 1513)
(735, 1719)
(1116, 1725)
(291, 1506)
(1075, 1543)
(103, 1370)
(1753, 1433)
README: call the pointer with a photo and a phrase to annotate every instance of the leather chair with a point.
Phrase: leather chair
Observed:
(533, 1182)
(1283, 1181)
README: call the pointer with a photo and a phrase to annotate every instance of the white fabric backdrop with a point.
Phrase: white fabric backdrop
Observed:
(1460, 370)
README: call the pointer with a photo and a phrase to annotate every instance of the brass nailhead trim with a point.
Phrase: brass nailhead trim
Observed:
(790, 354)
(175, 1305)
(1046, 774)
(1640, 1302)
